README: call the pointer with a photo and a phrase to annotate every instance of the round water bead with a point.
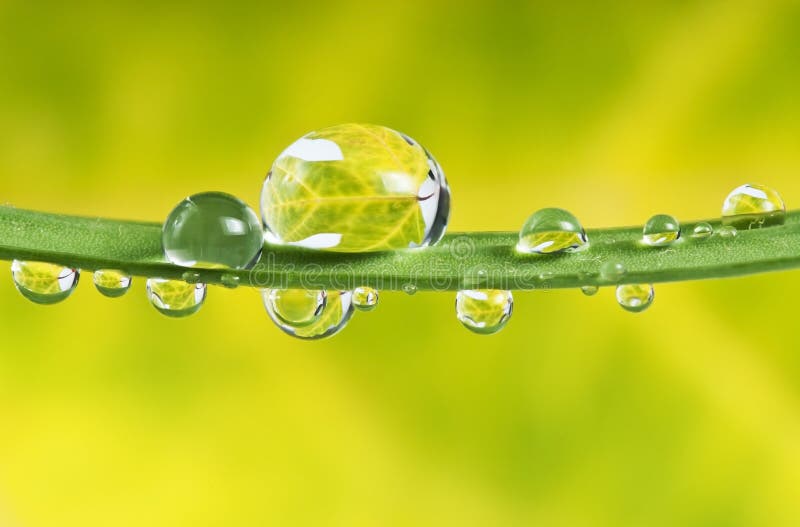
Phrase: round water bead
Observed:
(589, 290)
(44, 283)
(550, 231)
(611, 271)
(635, 297)
(365, 298)
(661, 230)
(175, 298)
(308, 315)
(484, 311)
(702, 231)
(355, 188)
(112, 283)
(213, 230)
(727, 231)
(753, 206)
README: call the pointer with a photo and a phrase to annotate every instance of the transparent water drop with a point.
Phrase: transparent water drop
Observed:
(550, 231)
(589, 290)
(383, 183)
(635, 297)
(308, 315)
(229, 280)
(612, 271)
(213, 230)
(702, 231)
(410, 289)
(191, 277)
(484, 311)
(44, 283)
(365, 298)
(175, 298)
(727, 231)
(112, 283)
(753, 206)
(661, 230)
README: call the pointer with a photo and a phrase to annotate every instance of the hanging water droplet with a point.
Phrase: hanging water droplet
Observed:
(191, 277)
(753, 206)
(550, 231)
(484, 311)
(661, 230)
(612, 271)
(410, 289)
(213, 230)
(365, 298)
(44, 283)
(727, 231)
(635, 297)
(308, 315)
(229, 280)
(112, 283)
(589, 290)
(702, 231)
(175, 298)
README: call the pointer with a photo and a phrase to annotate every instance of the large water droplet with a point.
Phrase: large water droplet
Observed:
(365, 298)
(661, 230)
(612, 271)
(213, 230)
(112, 283)
(44, 283)
(355, 188)
(175, 298)
(484, 311)
(635, 297)
(308, 315)
(753, 206)
(550, 231)
(702, 231)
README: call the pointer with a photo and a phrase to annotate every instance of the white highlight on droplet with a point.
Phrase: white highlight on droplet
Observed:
(314, 150)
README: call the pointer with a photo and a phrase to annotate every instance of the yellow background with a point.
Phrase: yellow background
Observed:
(577, 414)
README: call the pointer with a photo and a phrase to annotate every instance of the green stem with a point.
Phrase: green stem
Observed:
(461, 261)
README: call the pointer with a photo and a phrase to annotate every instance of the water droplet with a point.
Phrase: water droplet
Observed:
(702, 231)
(611, 271)
(231, 281)
(589, 290)
(635, 297)
(175, 298)
(410, 289)
(112, 283)
(308, 315)
(484, 311)
(365, 298)
(544, 276)
(727, 231)
(382, 184)
(753, 207)
(213, 230)
(44, 283)
(550, 231)
(661, 230)
(191, 277)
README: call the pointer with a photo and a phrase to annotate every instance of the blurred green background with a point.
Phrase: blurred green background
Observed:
(578, 413)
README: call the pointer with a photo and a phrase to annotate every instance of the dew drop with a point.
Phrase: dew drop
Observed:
(191, 277)
(702, 231)
(635, 297)
(410, 289)
(365, 298)
(111, 283)
(727, 231)
(661, 230)
(550, 231)
(212, 230)
(44, 283)
(308, 315)
(589, 290)
(175, 298)
(611, 271)
(752, 207)
(484, 311)
(229, 280)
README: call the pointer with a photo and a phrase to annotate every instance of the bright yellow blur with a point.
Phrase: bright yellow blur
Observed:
(578, 413)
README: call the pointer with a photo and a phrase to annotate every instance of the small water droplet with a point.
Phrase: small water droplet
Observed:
(191, 277)
(229, 280)
(661, 230)
(727, 231)
(702, 231)
(752, 207)
(550, 231)
(365, 298)
(611, 271)
(544, 276)
(175, 298)
(589, 290)
(308, 315)
(484, 311)
(410, 289)
(111, 283)
(44, 283)
(635, 297)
